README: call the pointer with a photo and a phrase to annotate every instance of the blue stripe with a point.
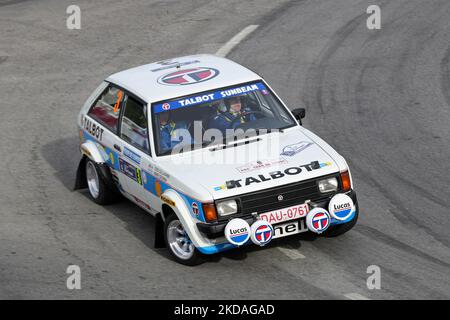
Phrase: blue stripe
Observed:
(335, 221)
(216, 248)
(342, 213)
(240, 238)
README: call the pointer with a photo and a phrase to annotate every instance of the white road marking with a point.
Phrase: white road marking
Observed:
(355, 296)
(292, 253)
(227, 47)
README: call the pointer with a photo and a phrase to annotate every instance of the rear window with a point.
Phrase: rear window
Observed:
(106, 109)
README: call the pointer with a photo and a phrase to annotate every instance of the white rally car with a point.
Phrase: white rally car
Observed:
(206, 146)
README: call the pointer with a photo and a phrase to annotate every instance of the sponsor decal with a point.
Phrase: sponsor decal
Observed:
(261, 232)
(318, 220)
(290, 228)
(261, 164)
(141, 203)
(102, 150)
(209, 97)
(167, 200)
(222, 187)
(324, 164)
(158, 172)
(130, 171)
(188, 76)
(167, 64)
(111, 157)
(131, 155)
(144, 177)
(293, 149)
(237, 231)
(92, 128)
(314, 165)
(194, 207)
(341, 207)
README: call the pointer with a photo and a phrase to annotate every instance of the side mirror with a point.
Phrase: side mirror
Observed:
(299, 114)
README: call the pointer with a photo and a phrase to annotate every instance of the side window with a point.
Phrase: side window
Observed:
(134, 124)
(107, 108)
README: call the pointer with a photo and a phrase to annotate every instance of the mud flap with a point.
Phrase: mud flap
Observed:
(80, 179)
(158, 232)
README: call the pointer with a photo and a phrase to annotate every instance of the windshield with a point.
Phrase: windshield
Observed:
(199, 120)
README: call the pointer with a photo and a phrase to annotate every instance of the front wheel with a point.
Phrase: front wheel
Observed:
(178, 242)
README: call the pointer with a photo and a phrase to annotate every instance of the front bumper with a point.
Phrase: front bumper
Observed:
(216, 229)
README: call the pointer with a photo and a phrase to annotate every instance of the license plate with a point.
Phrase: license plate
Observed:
(286, 214)
(290, 228)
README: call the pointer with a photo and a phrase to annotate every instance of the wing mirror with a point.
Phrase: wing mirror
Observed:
(299, 114)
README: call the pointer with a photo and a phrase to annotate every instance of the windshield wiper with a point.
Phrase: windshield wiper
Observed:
(234, 143)
(227, 142)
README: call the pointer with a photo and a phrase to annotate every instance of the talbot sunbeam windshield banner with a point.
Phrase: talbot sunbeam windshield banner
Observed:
(208, 97)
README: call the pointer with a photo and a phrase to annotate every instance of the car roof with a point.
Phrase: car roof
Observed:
(147, 81)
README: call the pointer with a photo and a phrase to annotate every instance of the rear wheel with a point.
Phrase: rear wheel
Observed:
(98, 189)
(178, 242)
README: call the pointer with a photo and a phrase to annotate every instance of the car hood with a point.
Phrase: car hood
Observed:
(262, 162)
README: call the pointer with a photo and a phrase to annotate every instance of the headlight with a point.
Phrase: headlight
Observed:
(225, 208)
(328, 185)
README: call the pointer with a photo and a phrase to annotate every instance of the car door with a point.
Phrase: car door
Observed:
(136, 148)
(105, 114)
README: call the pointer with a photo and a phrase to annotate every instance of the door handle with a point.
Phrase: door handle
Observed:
(117, 148)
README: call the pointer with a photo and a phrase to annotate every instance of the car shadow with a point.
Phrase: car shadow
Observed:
(63, 156)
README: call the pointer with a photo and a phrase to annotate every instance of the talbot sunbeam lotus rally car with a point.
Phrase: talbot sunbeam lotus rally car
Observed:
(132, 124)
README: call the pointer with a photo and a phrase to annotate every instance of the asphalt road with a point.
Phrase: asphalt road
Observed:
(380, 97)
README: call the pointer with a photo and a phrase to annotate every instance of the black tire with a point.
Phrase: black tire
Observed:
(340, 229)
(195, 259)
(105, 195)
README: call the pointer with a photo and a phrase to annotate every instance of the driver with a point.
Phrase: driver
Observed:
(233, 116)
(169, 136)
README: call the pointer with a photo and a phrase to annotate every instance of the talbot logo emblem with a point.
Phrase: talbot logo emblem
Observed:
(188, 76)
(280, 197)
